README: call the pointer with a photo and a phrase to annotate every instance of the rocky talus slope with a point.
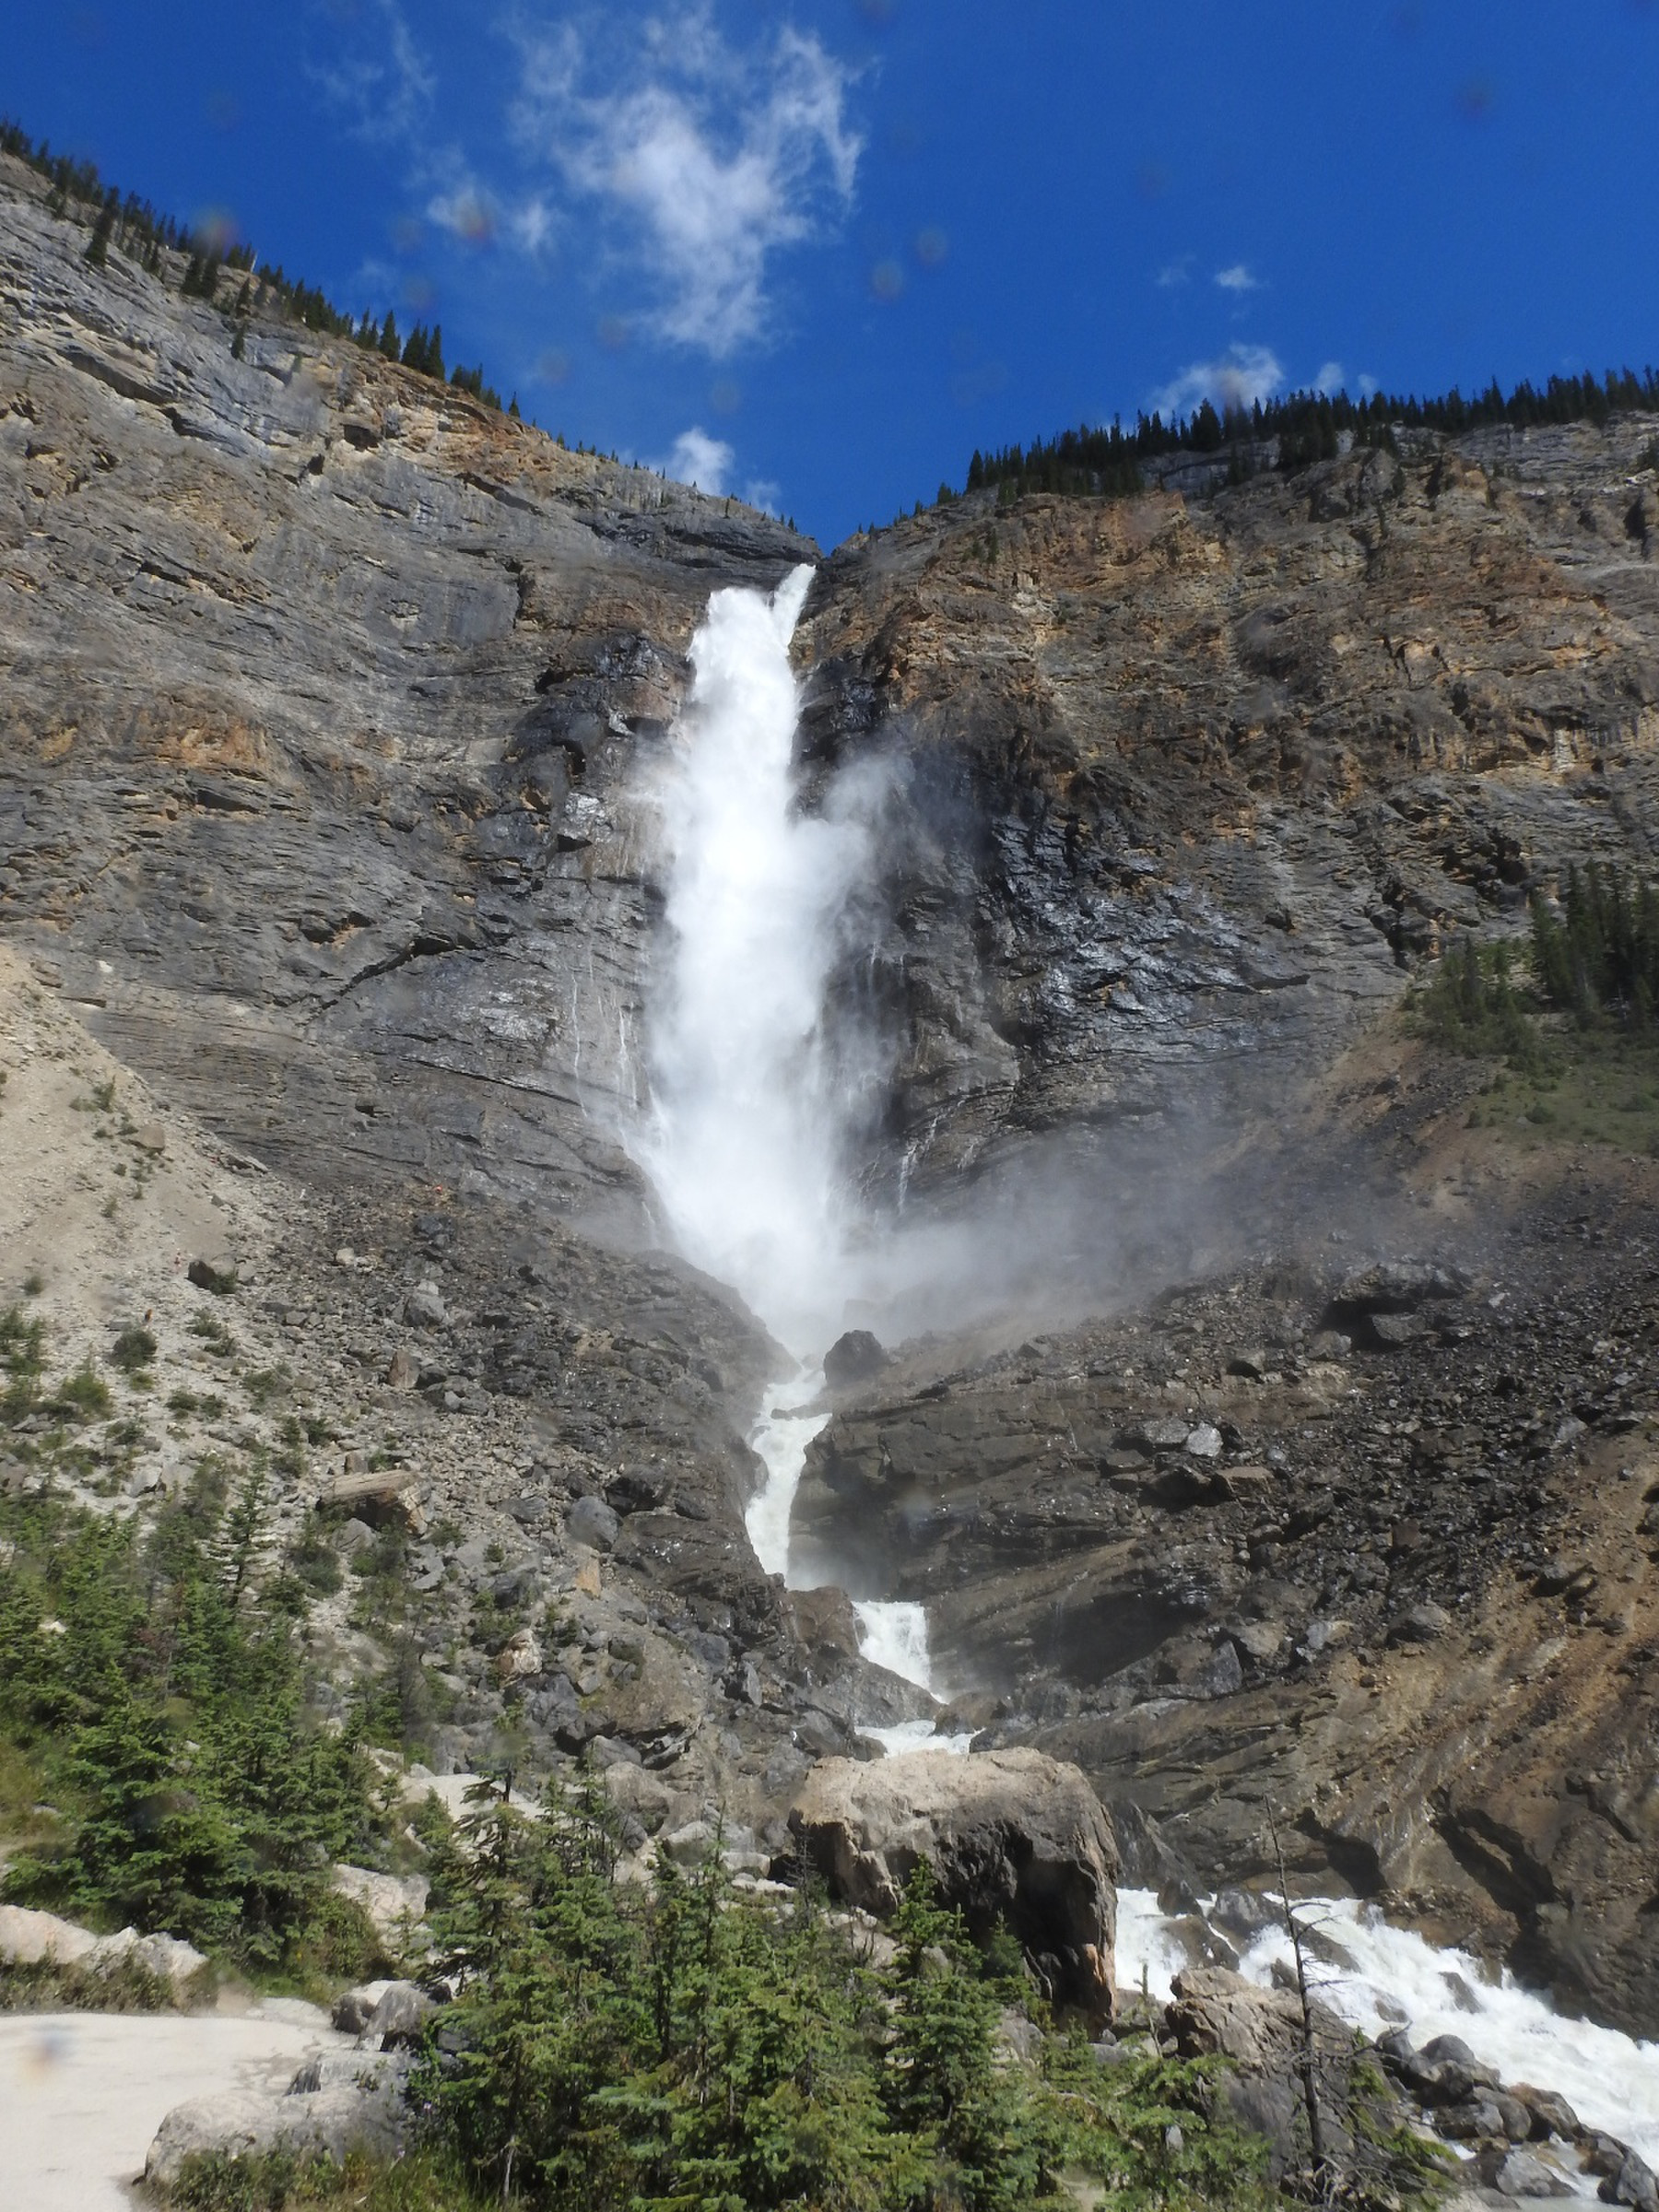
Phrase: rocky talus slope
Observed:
(331, 706)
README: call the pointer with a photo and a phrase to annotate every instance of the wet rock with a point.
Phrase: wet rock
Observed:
(856, 1357)
(1520, 2173)
(1551, 2114)
(1634, 2183)
(1011, 1836)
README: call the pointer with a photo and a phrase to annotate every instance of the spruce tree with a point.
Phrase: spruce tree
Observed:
(98, 245)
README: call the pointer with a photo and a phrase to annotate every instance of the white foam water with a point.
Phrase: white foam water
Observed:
(1611, 2080)
(787, 1425)
(743, 1141)
(893, 1633)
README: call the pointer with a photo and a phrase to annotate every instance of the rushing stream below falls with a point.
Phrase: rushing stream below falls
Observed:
(746, 1146)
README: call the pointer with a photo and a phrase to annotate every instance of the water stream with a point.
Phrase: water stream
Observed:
(746, 1146)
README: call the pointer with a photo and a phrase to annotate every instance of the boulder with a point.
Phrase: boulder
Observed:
(34, 1938)
(216, 1273)
(1551, 2116)
(519, 1657)
(335, 2107)
(354, 2008)
(169, 1957)
(1520, 2173)
(391, 1901)
(386, 1498)
(590, 1522)
(1012, 1836)
(1213, 2012)
(424, 1307)
(398, 2018)
(852, 1359)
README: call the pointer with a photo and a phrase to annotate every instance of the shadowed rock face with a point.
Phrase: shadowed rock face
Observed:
(1181, 787)
(330, 703)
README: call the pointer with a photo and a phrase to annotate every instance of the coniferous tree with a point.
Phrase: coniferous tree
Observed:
(98, 245)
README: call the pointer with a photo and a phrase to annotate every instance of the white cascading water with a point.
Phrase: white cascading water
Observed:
(745, 1149)
(1397, 1978)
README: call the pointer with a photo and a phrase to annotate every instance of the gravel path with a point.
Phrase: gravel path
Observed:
(82, 2093)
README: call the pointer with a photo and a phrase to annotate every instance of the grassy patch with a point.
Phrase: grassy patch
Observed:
(278, 2181)
(124, 1986)
(1599, 1088)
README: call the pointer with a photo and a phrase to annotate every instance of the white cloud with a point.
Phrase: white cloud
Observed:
(1176, 273)
(709, 163)
(1236, 279)
(371, 70)
(1236, 378)
(1369, 386)
(706, 464)
(1329, 379)
(467, 212)
(532, 225)
(700, 461)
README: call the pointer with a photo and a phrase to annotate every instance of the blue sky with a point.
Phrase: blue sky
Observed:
(816, 253)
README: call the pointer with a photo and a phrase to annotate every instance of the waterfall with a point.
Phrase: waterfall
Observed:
(746, 1144)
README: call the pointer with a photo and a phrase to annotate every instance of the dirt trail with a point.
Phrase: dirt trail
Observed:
(82, 2094)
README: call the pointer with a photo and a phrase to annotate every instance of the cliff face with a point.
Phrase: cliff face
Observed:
(328, 701)
(1188, 783)
(323, 685)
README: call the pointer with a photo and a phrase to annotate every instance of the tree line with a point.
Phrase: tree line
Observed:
(1106, 461)
(150, 239)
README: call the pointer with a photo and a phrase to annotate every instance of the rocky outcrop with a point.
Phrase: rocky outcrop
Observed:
(41, 1939)
(338, 2104)
(1012, 1838)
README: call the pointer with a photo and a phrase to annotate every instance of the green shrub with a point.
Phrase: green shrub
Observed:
(620, 2045)
(82, 1396)
(134, 1349)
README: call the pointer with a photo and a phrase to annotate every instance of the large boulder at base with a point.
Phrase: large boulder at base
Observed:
(337, 2104)
(1012, 1836)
